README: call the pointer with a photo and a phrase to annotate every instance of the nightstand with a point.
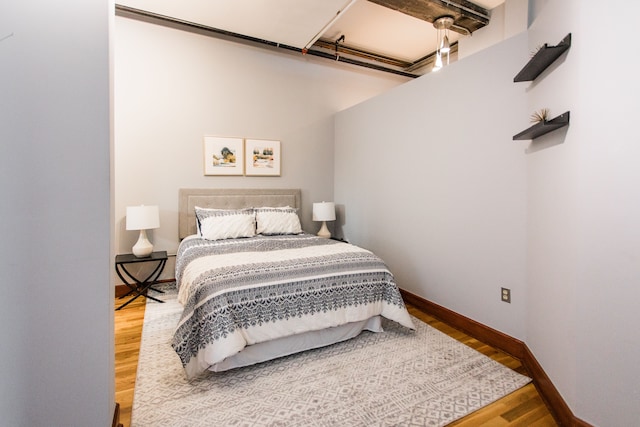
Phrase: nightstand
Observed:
(140, 287)
(339, 239)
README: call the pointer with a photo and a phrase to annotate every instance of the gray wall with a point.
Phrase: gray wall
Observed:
(457, 209)
(430, 180)
(56, 296)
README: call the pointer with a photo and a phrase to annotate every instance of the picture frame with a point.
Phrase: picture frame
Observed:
(262, 157)
(223, 155)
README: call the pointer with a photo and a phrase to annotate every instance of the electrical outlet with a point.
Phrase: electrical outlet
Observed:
(506, 295)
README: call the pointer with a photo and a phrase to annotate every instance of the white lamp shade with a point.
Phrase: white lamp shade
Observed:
(142, 217)
(324, 211)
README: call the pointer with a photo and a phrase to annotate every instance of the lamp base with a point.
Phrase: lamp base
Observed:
(143, 247)
(324, 231)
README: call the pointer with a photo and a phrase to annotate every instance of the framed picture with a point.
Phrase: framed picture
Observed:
(223, 156)
(263, 157)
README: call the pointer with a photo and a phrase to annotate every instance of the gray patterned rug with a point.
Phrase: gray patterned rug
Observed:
(395, 378)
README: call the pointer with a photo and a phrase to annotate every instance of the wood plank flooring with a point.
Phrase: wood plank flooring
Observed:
(524, 407)
(128, 331)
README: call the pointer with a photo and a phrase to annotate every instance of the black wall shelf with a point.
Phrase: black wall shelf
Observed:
(542, 59)
(544, 127)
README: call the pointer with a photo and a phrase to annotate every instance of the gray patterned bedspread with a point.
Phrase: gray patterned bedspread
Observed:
(240, 292)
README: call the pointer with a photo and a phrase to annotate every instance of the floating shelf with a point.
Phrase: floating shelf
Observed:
(542, 59)
(542, 128)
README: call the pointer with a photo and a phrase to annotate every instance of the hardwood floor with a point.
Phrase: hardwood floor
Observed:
(128, 330)
(524, 407)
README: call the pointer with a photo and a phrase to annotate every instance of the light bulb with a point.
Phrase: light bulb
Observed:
(445, 47)
(438, 63)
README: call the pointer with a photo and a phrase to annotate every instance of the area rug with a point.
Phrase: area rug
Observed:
(394, 378)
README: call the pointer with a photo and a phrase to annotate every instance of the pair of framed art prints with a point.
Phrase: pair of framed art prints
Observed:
(241, 156)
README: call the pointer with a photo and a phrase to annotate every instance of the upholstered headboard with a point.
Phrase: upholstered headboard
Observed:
(226, 198)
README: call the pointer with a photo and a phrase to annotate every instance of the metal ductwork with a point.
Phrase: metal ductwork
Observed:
(467, 17)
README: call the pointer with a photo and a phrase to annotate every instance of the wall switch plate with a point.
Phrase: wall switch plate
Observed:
(506, 295)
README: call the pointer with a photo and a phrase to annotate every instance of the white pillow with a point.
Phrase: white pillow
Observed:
(218, 224)
(283, 220)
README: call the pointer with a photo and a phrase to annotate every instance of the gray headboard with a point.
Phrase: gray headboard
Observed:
(227, 198)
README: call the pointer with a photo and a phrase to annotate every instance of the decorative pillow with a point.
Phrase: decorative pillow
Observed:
(201, 214)
(218, 224)
(277, 221)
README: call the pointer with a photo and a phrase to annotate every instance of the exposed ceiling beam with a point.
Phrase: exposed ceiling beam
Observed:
(467, 17)
(345, 49)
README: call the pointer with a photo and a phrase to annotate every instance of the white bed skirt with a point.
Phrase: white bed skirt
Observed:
(285, 346)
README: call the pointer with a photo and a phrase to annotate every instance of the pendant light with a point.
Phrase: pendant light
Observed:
(442, 26)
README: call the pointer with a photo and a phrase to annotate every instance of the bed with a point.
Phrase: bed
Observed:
(255, 287)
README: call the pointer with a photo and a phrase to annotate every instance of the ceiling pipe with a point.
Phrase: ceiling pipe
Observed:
(467, 9)
(343, 48)
(328, 25)
(360, 63)
(143, 15)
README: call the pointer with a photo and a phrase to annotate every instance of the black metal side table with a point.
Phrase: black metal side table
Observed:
(140, 287)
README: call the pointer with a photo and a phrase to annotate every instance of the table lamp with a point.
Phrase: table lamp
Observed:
(142, 218)
(325, 211)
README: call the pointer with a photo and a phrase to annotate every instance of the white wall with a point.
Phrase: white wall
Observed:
(56, 297)
(173, 87)
(436, 186)
(584, 261)
(552, 232)
(431, 181)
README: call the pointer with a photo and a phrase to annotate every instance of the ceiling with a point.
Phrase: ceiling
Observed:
(396, 36)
